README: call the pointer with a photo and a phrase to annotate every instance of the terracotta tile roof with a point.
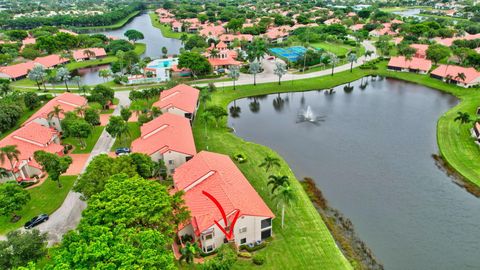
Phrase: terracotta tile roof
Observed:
(182, 96)
(80, 54)
(67, 101)
(29, 40)
(212, 30)
(332, 21)
(230, 37)
(217, 175)
(217, 62)
(357, 27)
(414, 63)
(421, 50)
(471, 74)
(168, 132)
(51, 60)
(28, 139)
(18, 70)
(449, 41)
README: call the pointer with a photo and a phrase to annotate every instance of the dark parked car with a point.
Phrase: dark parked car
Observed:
(36, 221)
(122, 151)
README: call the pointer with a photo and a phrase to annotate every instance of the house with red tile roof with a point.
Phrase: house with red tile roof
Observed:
(212, 31)
(68, 102)
(83, 54)
(332, 21)
(51, 61)
(229, 38)
(449, 41)
(223, 57)
(357, 27)
(416, 65)
(28, 139)
(217, 175)
(461, 76)
(17, 71)
(277, 34)
(421, 50)
(385, 30)
(28, 41)
(176, 26)
(180, 100)
(169, 138)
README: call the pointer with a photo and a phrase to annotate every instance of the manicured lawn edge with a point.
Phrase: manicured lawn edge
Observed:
(117, 25)
(91, 141)
(166, 30)
(46, 198)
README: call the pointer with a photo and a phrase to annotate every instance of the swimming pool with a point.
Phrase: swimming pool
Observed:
(163, 63)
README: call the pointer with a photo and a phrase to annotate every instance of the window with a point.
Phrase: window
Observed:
(208, 248)
(209, 236)
(171, 162)
(266, 223)
(243, 241)
(266, 234)
(242, 230)
(172, 171)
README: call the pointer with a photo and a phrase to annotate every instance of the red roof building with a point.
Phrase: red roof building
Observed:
(51, 61)
(181, 100)
(400, 63)
(28, 139)
(228, 38)
(67, 102)
(357, 27)
(449, 41)
(212, 31)
(224, 57)
(462, 76)
(82, 54)
(421, 50)
(18, 71)
(217, 175)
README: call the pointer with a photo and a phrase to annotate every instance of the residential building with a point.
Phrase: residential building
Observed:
(67, 102)
(28, 139)
(230, 38)
(180, 100)
(217, 175)
(51, 61)
(89, 53)
(461, 76)
(169, 138)
(220, 57)
(332, 21)
(420, 50)
(17, 71)
(416, 65)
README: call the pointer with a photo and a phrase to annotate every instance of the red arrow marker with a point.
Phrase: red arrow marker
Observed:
(228, 234)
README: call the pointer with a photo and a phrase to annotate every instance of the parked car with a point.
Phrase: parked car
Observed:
(36, 221)
(122, 151)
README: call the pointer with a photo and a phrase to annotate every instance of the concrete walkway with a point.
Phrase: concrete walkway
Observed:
(68, 215)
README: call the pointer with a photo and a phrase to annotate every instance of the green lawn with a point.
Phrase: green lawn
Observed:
(45, 198)
(305, 242)
(337, 48)
(134, 129)
(117, 25)
(166, 29)
(142, 104)
(91, 141)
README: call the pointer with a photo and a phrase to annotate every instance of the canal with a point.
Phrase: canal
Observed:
(370, 152)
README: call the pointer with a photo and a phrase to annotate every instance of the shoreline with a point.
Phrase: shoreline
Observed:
(119, 24)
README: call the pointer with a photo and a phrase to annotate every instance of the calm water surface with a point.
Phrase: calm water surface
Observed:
(371, 157)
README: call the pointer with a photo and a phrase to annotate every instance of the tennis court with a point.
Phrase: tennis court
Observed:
(292, 54)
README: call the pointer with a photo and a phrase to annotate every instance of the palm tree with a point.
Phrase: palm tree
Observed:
(234, 73)
(461, 76)
(352, 58)
(280, 70)
(284, 196)
(105, 74)
(80, 110)
(88, 53)
(38, 74)
(164, 51)
(368, 53)
(184, 38)
(333, 60)
(463, 118)
(214, 53)
(254, 68)
(55, 112)
(206, 117)
(11, 153)
(205, 96)
(188, 252)
(77, 80)
(269, 162)
(121, 56)
(277, 181)
(63, 75)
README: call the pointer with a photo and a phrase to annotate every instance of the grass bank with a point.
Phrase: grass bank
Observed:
(90, 141)
(117, 25)
(305, 242)
(166, 29)
(45, 198)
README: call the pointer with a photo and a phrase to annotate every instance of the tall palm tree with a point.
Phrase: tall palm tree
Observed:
(333, 61)
(277, 181)
(64, 75)
(188, 252)
(461, 76)
(352, 58)
(214, 53)
(285, 196)
(269, 162)
(205, 96)
(254, 68)
(234, 73)
(38, 74)
(80, 110)
(280, 70)
(57, 110)
(462, 118)
(206, 117)
(11, 153)
(88, 53)
(77, 80)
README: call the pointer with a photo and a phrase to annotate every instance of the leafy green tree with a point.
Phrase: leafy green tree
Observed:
(105, 74)
(118, 128)
(20, 248)
(126, 113)
(81, 130)
(5, 88)
(280, 70)
(17, 35)
(53, 164)
(217, 112)
(189, 251)
(133, 35)
(277, 181)
(102, 94)
(195, 41)
(234, 73)
(9, 115)
(119, 45)
(235, 24)
(92, 116)
(270, 162)
(225, 259)
(144, 165)
(31, 100)
(256, 49)
(164, 51)
(10, 153)
(437, 52)
(12, 199)
(197, 63)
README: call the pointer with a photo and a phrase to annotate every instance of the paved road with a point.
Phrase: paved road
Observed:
(68, 215)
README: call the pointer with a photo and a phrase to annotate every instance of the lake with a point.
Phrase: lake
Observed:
(371, 155)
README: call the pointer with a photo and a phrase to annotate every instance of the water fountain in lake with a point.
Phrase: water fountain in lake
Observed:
(309, 116)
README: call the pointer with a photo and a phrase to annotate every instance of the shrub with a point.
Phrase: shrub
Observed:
(258, 259)
(240, 158)
(244, 254)
(254, 248)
